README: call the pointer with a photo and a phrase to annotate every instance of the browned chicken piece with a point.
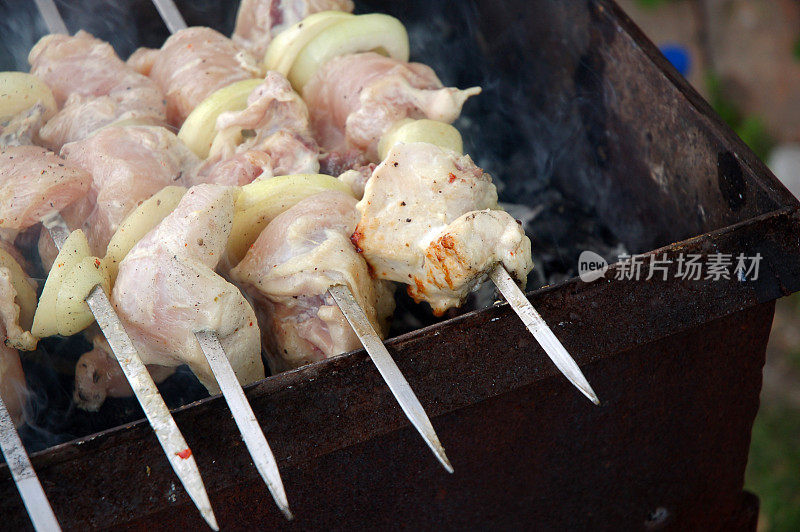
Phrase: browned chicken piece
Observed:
(430, 220)
(259, 21)
(301, 254)
(354, 99)
(195, 62)
(92, 86)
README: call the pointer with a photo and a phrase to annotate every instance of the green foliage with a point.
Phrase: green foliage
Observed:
(773, 470)
(796, 49)
(651, 4)
(750, 128)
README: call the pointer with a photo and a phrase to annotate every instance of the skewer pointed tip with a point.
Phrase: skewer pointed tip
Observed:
(447, 465)
(541, 331)
(288, 513)
(208, 515)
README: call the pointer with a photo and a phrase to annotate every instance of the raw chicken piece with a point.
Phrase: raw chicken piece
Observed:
(276, 123)
(93, 86)
(167, 290)
(354, 99)
(128, 165)
(195, 62)
(428, 221)
(259, 21)
(299, 255)
(14, 335)
(98, 375)
(13, 389)
(35, 182)
(357, 178)
(142, 60)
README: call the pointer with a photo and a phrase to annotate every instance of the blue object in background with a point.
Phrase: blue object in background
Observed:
(679, 56)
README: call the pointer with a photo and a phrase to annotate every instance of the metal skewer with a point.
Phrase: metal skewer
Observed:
(28, 485)
(358, 321)
(541, 331)
(245, 419)
(156, 411)
(167, 431)
(388, 370)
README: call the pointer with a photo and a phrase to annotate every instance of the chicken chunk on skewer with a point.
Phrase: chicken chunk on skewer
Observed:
(192, 64)
(259, 21)
(429, 220)
(92, 86)
(176, 263)
(354, 99)
(300, 255)
(35, 182)
(13, 335)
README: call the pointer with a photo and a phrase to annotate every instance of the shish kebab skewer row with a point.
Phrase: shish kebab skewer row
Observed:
(323, 57)
(347, 302)
(58, 126)
(87, 257)
(155, 409)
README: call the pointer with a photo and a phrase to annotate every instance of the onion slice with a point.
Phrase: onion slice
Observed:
(364, 33)
(285, 47)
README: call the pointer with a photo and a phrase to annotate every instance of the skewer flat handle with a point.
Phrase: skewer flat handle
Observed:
(170, 14)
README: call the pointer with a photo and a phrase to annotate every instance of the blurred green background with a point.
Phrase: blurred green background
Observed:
(744, 57)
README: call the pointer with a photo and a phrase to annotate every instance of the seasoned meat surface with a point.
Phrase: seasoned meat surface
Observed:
(288, 271)
(127, 165)
(167, 289)
(92, 86)
(354, 99)
(429, 220)
(35, 182)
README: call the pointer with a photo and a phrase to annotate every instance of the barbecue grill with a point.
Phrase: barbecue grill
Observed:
(582, 107)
